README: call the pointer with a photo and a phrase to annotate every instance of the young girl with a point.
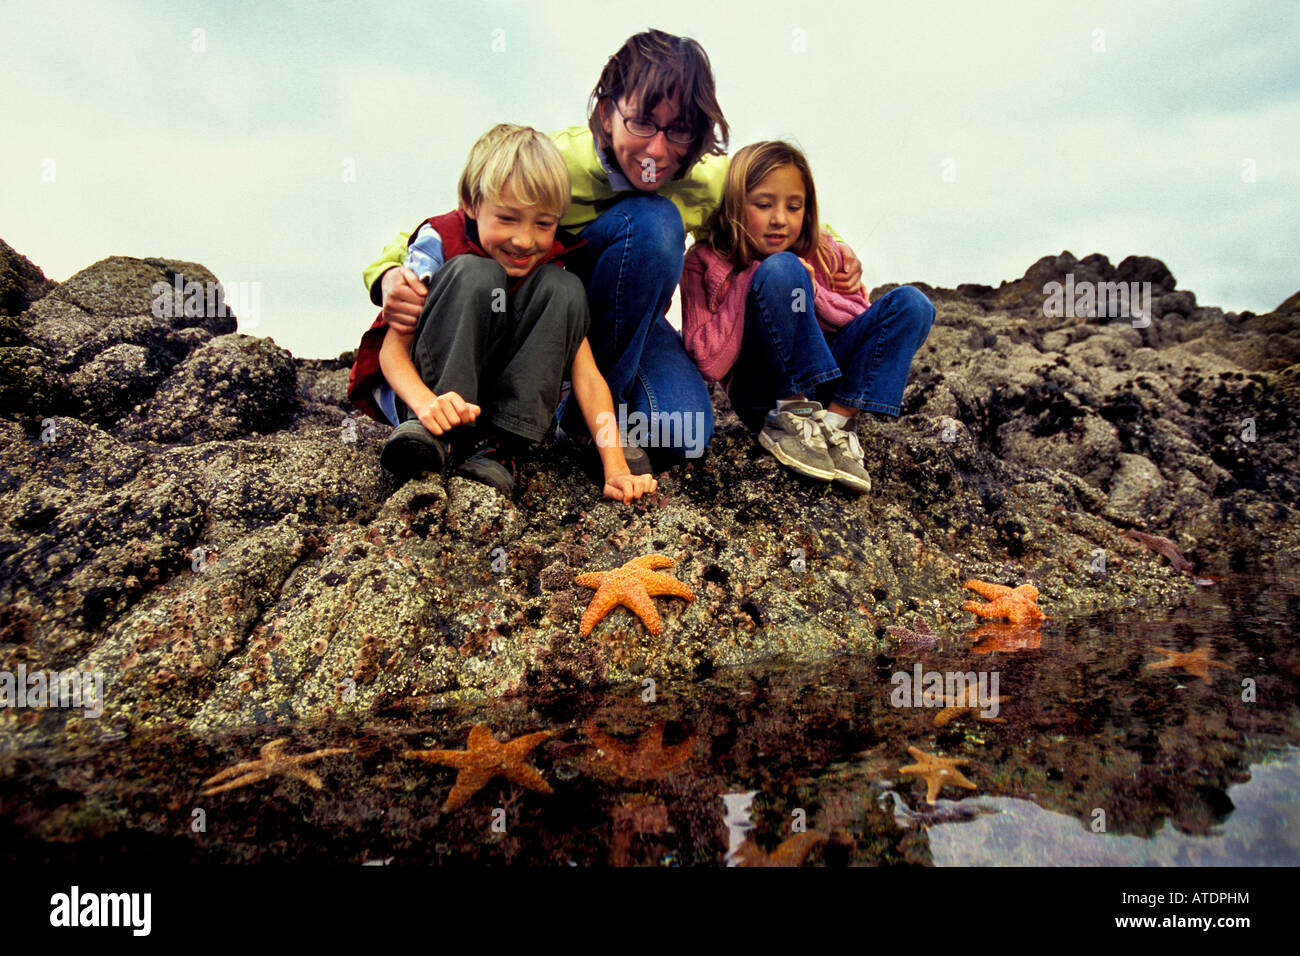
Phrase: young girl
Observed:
(760, 315)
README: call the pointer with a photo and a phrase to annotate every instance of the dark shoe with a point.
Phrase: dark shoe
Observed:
(638, 462)
(493, 463)
(413, 450)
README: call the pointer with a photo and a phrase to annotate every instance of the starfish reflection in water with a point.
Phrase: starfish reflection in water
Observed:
(647, 759)
(965, 702)
(1002, 636)
(1018, 605)
(271, 761)
(1197, 662)
(487, 758)
(634, 585)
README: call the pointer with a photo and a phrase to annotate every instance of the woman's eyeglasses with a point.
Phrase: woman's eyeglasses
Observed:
(680, 135)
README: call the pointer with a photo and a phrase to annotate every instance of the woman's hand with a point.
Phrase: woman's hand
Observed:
(812, 274)
(441, 413)
(849, 278)
(629, 487)
(404, 296)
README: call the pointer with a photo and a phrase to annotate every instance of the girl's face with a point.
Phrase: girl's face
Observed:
(774, 211)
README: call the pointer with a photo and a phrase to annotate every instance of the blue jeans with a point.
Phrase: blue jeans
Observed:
(630, 266)
(785, 352)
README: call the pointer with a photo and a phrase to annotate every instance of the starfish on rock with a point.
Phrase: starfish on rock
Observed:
(634, 586)
(271, 761)
(937, 771)
(921, 632)
(486, 758)
(1019, 605)
(1197, 662)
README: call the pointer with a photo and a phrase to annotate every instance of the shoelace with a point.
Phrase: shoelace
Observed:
(842, 436)
(807, 427)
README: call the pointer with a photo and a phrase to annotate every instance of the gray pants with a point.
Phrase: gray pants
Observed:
(507, 352)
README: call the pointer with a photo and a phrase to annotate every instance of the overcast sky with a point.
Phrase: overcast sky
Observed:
(223, 133)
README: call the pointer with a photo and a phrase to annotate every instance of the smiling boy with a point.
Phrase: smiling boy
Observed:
(477, 380)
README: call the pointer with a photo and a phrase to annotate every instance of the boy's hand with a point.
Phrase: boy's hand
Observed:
(404, 296)
(444, 412)
(849, 279)
(629, 487)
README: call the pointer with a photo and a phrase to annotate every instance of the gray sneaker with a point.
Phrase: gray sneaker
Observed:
(846, 453)
(795, 437)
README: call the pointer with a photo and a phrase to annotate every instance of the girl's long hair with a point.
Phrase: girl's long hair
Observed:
(749, 167)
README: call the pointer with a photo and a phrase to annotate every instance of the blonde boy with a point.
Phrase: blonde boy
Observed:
(503, 325)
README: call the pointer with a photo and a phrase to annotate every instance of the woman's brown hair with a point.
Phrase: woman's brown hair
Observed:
(657, 66)
(749, 167)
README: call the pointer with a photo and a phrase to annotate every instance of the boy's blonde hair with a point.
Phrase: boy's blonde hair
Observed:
(523, 158)
(749, 167)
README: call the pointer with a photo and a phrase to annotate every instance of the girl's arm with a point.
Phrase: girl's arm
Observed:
(712, 339)
(597, 405)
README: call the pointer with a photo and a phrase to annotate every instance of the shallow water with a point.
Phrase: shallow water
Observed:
(1094, 757)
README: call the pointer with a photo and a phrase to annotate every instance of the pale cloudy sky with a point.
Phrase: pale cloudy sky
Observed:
(1170, 130)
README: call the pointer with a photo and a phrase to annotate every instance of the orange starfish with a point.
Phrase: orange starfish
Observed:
(1016, 604)
(1197, 662)
(1002, 636)
(633, 585)
(937, 771)
(271, 761)
(486, 758)
(789, 853)
(648, 759)
(965, 702)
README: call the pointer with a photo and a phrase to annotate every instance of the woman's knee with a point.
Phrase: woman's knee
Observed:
(655, 225)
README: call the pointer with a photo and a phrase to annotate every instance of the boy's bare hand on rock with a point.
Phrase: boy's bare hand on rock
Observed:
(629, 487)
(404, 296)
(444, 412)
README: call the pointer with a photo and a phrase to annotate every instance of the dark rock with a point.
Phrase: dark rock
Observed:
(21, 282)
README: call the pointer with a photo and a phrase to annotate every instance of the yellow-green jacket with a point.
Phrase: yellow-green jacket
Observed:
(695, 195)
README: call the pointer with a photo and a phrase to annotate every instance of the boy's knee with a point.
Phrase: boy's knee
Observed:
(476, 272)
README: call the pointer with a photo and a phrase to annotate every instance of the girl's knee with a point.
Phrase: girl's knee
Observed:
(782, 270)
(915, 304)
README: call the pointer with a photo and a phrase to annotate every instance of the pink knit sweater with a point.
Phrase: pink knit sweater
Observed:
(713, 307)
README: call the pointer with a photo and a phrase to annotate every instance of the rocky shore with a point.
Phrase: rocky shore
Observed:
(201, 517)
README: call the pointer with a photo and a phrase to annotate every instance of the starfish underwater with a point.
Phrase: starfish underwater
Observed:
(922, 633)
(634, 585)
(487, 758)
(937, 771)
(270, 761)
(1197, 662)
(790, 853)
(966, 702)
(647, 759)
(1019, 605)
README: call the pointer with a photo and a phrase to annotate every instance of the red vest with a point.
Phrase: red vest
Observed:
(453, 229)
